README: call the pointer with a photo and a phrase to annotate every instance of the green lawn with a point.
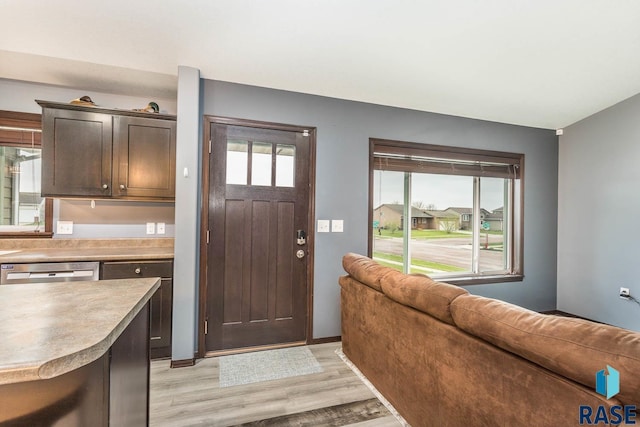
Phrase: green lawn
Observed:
(493, 245)
(431, 234)
(422, 234)
(380, 256)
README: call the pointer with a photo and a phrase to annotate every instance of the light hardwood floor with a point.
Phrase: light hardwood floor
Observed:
(191, 396)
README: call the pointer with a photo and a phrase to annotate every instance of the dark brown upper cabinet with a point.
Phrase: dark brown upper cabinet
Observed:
(76, 153)
(94, 152)
(145, 152)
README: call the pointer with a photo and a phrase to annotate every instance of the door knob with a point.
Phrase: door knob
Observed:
(122, 187)
(300, 254)
(137, 270)
(105, 186)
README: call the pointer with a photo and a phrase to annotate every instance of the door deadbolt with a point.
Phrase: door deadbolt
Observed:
(301, 238)
(300, 254)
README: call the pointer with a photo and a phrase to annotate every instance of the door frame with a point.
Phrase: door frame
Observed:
(208, 121)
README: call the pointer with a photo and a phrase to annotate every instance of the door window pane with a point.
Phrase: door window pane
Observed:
(237, 156)
(261, 163)
(285, 165)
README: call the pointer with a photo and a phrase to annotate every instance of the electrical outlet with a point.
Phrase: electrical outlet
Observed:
(337, 226)
(151, 228)
(624, 293)
(64, 227)
(160, 228)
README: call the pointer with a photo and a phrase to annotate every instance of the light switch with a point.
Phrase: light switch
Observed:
(151, 228)
(160, 228)
(65, 227)
(323, 225)
(337, 226)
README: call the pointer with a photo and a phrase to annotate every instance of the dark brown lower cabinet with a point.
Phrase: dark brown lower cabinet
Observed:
(110, 391)
(161, 303)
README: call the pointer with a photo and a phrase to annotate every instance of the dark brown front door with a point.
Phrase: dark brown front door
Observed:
(257, 268)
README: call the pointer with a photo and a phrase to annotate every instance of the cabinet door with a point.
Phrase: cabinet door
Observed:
(129, 368)
(145, 156)
(161, 304)
(76, 153)
(160, 324)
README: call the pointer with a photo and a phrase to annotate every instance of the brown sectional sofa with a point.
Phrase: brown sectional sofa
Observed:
(444, 357)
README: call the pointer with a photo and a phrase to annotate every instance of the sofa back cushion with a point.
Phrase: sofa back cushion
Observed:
(365, 270)
(422, 293)
(570, 347)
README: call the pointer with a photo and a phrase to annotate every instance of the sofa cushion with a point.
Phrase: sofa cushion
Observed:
(422, 293)
(571, 347)
(365, 270)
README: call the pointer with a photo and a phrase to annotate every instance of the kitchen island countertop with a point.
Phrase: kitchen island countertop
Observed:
(50, 329)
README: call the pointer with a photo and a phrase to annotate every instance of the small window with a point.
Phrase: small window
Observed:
(285, 165)
(23, 211)
(237, 156)
(261, 162)
(474, 197)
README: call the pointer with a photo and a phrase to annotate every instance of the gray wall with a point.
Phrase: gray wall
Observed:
(21, 96)
(112, 218)
(344, 129)
(187, 241)
(598, 199)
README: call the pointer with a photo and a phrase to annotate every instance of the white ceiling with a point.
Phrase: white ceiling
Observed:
(541, 63)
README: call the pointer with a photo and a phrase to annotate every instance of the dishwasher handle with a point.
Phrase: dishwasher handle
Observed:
(85, 274)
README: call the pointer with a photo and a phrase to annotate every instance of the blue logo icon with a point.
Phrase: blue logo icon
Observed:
(608, 384)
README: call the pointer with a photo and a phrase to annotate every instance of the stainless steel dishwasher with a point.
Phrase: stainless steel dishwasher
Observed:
(48, 272)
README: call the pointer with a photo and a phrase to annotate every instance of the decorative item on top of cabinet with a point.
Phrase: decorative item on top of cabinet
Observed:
(161, 304)
(107, 153)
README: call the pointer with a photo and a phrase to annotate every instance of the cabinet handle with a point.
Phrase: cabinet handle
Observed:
(137, 270)
(122, 187)
(105, 186)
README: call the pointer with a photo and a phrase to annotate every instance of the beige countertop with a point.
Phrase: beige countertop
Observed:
(48, 329)
(68, 250)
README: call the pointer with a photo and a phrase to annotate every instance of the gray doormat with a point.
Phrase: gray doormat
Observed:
(267, 365)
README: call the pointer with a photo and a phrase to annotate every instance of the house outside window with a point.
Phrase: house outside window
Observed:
(467, 204)
(23, 211)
